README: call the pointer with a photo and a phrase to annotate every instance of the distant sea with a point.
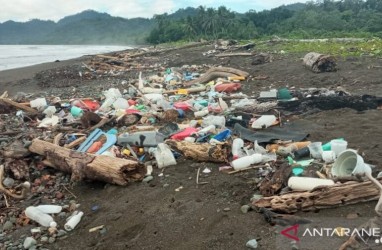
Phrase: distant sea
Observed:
(17, 56)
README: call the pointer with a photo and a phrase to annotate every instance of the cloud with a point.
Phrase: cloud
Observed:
(24, 10)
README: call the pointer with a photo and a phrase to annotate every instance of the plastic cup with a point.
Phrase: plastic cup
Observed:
(348, 163)
(315, 149)
(338, 146)
(328, 156)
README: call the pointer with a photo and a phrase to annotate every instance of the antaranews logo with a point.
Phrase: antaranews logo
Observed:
(287, 232)
(315, 235)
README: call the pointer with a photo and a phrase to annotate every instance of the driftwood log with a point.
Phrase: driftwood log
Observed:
(325, 197)
(320, 63)
(88, 166)
(216, 72)
(201, 151)
(276, 180)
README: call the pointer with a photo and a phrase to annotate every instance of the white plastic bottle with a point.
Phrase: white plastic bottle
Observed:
(37, 215)
(307, 183)
(49, 209)
(237, 148)
(201, 113)
(246, 161)
(206, 130)
(73, 221)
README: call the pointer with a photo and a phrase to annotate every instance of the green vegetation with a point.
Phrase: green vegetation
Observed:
(318, 19)
(371, 47)
(323, 18)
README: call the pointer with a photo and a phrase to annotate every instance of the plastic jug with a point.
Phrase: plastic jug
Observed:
(164, 156)
(264, 121)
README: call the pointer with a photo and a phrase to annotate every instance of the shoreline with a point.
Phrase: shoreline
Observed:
(11, 79)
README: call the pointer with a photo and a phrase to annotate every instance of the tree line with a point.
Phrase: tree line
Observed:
(322, 18)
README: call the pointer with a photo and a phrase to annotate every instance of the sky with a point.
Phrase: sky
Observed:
(25, 10)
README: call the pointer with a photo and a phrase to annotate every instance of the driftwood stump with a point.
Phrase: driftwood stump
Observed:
(320, 63)
(83, 165)
(201, 151)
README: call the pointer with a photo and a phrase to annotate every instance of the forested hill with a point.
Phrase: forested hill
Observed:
(88, 27)
(316, 19)
(320, 18)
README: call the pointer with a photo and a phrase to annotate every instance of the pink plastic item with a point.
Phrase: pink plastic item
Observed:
(183, 134)
(131, 102)
(227, 87)
(132, 111)
(182, 105)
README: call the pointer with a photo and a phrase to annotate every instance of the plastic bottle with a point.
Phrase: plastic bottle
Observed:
(73, 221)
(201, 113)
(237, 148)
(37, 215)
(206, 130)
(246, 161)
(50, 209)
(307, 183)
